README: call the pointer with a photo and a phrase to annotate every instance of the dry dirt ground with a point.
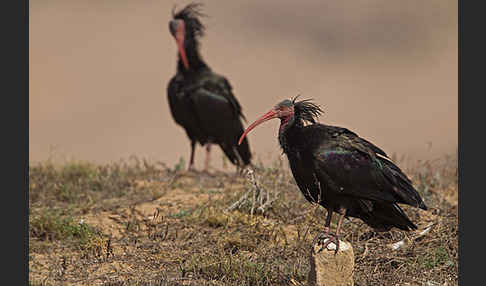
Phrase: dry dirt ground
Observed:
(142, 223)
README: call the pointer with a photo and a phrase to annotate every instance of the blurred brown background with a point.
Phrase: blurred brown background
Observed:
(386, 69)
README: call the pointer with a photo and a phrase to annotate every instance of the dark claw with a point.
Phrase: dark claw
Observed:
(331, 238)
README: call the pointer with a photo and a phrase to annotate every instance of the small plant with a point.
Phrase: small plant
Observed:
(52, 225)
(436, 258)
(180, 165)
(181, 213)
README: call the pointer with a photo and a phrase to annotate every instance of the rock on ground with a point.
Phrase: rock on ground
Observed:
(328, 269)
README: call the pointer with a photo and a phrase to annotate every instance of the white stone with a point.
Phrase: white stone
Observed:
(343, 245)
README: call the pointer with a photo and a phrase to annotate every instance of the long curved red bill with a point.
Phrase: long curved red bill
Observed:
(267, 116)
(179, 36)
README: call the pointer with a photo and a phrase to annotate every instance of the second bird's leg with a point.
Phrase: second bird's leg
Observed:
(208, 157)
(191, 160)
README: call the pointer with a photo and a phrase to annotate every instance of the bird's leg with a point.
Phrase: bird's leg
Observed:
(327, 229)
(331, 237)
(191, 160)
(327, 225)
(208, 157)
(340, 222)
(338, 229)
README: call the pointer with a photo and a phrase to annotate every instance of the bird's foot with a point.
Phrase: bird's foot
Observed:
(325, 232)
(325, 238)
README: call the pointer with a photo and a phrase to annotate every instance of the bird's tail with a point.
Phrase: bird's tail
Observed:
(402, 186)
(244, 151)
(384, 216)
(238, 154)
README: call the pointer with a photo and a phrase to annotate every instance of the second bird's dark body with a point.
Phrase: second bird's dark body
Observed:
(201, 101)
(203, 104)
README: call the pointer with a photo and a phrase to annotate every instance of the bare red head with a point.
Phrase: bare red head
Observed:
(284, 110)
(177, 28)
(290, 112)
(186, 28)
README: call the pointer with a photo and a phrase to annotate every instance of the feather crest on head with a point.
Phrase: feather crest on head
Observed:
(306, 110)
(191, 14)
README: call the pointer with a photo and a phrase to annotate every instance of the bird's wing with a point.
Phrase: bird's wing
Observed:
(175, 100)
(216, 109)
(373, 147)
(231, 98)
(306, 181)
(350, 166)
(217, 87)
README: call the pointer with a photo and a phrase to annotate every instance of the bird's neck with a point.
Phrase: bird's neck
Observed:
(289, 135)
(196, 63)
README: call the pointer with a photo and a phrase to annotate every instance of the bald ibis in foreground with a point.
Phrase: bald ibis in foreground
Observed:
(341, 171)
(200, 100)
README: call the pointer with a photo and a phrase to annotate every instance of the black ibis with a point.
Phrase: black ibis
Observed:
(341, 171)
(201, 101)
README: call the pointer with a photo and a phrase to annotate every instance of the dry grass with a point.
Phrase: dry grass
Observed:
(139, 223)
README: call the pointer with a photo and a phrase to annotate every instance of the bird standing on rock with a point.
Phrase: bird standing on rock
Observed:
(200, 100)
(341, 171)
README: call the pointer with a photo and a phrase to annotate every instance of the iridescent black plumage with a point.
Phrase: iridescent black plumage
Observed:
(202, 101)
(341, 171)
